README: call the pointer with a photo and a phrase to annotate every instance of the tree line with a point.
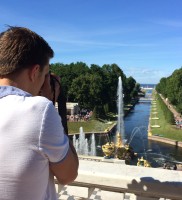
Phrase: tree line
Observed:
(94, 87)
(171, 88)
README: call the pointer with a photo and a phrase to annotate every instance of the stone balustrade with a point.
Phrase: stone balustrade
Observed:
(131, 182)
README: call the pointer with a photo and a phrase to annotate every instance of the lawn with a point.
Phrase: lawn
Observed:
(89, 126)
(166, 130)
(95, 125)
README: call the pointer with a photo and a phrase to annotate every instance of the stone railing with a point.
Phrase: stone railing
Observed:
(131, 181)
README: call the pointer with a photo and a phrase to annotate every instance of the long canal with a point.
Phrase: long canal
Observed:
(136, 125)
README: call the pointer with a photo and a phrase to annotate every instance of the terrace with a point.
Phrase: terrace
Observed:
(99, 178)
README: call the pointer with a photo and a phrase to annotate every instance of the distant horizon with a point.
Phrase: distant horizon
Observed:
(147, 84)
(128, 75)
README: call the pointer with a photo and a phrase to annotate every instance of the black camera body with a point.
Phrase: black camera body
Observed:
(62, 110)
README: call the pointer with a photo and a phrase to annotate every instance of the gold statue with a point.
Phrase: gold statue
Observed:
(119, 150)
(149, 133)
(142, 162)
(108, 149)
(119, 141)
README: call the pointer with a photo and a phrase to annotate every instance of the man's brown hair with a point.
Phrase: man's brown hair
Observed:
(22, 48)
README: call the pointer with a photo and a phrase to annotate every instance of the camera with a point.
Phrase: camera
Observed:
(53, 82)
(61, 100)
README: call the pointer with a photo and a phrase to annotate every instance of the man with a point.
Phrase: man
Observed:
(33, 146)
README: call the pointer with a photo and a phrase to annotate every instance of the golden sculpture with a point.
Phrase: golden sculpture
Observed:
(119, 141)
(149, 133)
(142, 162)
(108, 149)
(119, 150)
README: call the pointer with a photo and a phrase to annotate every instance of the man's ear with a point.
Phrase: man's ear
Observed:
(34, 72)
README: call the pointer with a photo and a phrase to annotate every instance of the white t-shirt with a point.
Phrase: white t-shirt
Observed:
(31, 136)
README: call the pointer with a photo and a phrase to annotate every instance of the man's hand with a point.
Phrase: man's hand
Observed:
(51, 87)
(56, 86)
(46, 89)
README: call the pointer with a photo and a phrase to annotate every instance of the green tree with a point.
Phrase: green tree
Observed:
(174, 88)
(161, 87)
(86, 90)
(171, 88)
(130, 90)
(95, 86)
(111, 75)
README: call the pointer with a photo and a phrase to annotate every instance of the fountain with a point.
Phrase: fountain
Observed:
(116, 149)
(155, 118)
(92, 146)
(120, 149)
(82, 144)
(120, 123)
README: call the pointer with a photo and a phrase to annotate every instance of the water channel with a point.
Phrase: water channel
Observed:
(136, 123)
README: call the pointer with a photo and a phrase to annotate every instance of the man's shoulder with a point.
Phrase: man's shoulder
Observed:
(38, 102)
(40, 99)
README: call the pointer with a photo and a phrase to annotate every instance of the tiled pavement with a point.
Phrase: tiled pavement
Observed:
(81, 193)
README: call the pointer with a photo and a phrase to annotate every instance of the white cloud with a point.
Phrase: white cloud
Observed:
(147, 75)
(171, 23)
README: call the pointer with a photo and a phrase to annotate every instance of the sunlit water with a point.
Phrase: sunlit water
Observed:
(136, 125)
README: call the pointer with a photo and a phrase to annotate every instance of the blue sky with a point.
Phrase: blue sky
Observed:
(143, 37)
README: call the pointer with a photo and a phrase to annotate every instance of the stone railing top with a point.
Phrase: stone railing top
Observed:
(152, 182)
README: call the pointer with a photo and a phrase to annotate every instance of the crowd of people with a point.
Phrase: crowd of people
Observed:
(178, 122)
(79, 117)
(177, 115)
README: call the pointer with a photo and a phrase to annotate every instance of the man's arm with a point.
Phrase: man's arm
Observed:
(66, 171)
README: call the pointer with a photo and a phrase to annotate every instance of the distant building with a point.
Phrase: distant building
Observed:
(72, 108)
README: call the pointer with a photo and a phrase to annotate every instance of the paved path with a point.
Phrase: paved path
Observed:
(177, 115)
(171, 107)
(80, 193)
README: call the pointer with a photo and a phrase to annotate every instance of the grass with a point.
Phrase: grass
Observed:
(96, 125)
(89, 126)
(166, 130)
